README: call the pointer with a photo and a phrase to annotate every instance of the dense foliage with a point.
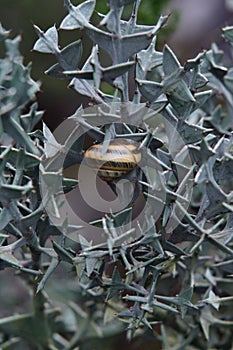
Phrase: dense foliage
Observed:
(166, 280)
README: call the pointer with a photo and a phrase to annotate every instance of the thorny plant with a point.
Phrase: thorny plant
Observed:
(169, 278)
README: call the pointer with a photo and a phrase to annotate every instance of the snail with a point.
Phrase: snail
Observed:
(120, 157)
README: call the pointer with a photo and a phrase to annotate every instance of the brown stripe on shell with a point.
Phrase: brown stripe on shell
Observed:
(121, 156)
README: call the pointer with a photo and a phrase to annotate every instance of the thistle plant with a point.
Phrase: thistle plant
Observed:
(161, 274)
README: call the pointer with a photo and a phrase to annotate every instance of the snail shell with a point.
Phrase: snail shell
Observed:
(122, 155)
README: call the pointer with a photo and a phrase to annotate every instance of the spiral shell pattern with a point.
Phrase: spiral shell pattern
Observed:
(122, 155)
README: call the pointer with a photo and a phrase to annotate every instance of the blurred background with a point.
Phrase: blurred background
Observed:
(193, 26)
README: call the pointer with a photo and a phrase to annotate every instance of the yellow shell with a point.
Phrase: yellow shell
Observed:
(121, 156)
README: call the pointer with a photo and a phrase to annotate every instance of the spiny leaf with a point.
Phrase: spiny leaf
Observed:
(228, 33)
(119, 49)
(3, 33)
(150, 89)
(170, 61)
(52, 266)
(147, 60)
(5, 217)
(213, 300)
(106, 74)
(10, 259)
(9, 192)
(68, 59)
(48, 41)
(62, 253)
(78, 16)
